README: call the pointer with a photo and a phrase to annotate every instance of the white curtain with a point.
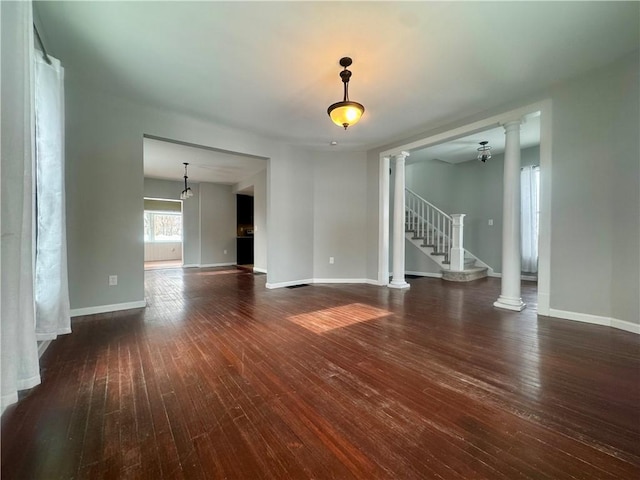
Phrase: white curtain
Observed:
(529, 190)
(52, 287)
(19, 369)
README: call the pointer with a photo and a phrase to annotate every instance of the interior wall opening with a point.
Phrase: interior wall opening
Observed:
(475, 189)
(212, 233)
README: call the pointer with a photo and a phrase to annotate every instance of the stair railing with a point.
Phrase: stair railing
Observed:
(428, 222)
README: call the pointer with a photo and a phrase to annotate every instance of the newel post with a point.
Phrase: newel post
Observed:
(457, 249)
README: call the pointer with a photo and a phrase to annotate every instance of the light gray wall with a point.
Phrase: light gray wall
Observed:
(433, 180)
(595, 244)
(105, 187)
(417, 262)
(595, 208)
(373, 199)
(340, 222)
(104, 196)
(260, 233)
(624, 146)
(170, 190)
(290, 214)
(217, 224)
(158, 251)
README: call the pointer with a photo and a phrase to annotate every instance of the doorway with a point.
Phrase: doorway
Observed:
(245, 229)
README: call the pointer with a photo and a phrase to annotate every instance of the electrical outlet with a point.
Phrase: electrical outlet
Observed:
(225, 252)
(490, 222)
(331, 260)
(113, 280)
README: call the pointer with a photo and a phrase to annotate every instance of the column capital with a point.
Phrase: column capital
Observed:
(513, 123)
(458, 218)
(401, 156)
(386, 157)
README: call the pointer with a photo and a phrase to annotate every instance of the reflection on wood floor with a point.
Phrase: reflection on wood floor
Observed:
(221, 378)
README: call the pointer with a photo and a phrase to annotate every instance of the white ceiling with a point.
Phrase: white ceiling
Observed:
(272, 67)
(465, 148)
(164, 159)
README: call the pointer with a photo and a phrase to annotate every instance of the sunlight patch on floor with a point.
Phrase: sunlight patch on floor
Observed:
(329, 319)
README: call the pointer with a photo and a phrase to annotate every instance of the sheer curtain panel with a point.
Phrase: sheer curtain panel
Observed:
(51, 287)
(529, 186)
(19, 355)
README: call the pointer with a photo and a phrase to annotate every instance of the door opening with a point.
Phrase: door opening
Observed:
(244, 239)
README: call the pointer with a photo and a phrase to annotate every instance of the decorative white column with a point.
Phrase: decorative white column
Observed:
(510, 294)
(456, 256)
(383, 248)
(398, 280)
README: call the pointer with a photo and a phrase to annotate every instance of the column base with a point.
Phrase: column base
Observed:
(510, 303)
(399, 285)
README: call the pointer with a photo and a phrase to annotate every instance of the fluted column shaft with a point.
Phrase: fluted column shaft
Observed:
(511, 256)
(398, 280)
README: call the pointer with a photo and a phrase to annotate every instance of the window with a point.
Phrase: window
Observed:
(530, 217)
(162, 227)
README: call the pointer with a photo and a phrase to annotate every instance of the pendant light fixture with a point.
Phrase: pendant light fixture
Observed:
(345, 113)
(186, 193)
(484, 152)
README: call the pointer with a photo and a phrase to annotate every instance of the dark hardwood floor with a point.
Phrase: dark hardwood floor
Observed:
(222, 378)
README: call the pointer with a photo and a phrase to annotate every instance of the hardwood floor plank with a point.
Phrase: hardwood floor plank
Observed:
(179, 429)
(220, 377)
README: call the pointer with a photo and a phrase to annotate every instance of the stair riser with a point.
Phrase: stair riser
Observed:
(464, 276)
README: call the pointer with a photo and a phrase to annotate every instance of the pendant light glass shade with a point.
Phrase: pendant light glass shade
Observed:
(186, 194)
(484, 152)
(345, 113)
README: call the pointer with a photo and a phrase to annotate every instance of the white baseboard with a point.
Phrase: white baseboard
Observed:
(78, 312)
(596, 320)
(259, 270)
(322, 280)
(626, 326)
(207, 265)
(377, 283)
(522, 277)
(42, 347)
(288, 284)
(543, 303)
(425, 274)
(339, 280)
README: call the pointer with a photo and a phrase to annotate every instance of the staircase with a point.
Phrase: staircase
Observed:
(440, 237)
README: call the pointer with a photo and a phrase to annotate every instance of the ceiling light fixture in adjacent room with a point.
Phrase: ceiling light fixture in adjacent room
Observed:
(345, 113)
(484, 152)
(186, 193)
